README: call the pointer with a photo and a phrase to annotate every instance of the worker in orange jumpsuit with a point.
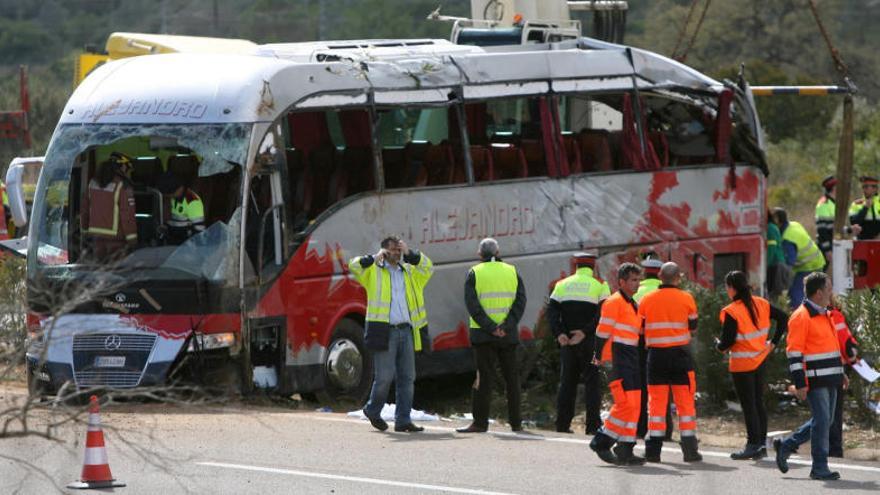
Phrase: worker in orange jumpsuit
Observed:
(108, 212)
(620, 323)
(670, 314)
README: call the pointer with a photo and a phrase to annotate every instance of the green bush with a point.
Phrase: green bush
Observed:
(862, 312)
(12, 311)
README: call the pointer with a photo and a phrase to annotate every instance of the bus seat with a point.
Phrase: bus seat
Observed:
(394, 164)
(595, 150)
(145, 171)
(185, 168)
(533, 150)
(509, 162)
(573, 153)
(438, 163)
(296, 177)
(359, 176)
(484, 168)
(415, 159)
(320, 168)
(309, 130)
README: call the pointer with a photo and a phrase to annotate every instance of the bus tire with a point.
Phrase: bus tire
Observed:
(348, 365)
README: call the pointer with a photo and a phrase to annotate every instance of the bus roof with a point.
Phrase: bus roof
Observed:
(215, 88)
(121, 45)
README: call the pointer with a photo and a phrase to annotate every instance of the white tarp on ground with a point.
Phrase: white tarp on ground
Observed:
(388, 411)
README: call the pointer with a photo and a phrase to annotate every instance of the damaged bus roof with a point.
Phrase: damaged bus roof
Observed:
(219, 88)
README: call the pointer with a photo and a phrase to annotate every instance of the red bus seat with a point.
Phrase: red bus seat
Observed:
(395, 166)
(573, 154)
(438, 162)
(320, 168)
(533, 149)
(484, 167)
(595, 150)
(509, 162)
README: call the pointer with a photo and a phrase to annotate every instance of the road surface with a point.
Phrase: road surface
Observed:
(163, 449)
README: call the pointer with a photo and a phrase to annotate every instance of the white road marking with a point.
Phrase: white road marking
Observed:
(539, 437)
(359, 479)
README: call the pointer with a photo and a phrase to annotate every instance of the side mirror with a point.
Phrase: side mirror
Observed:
(15, 192)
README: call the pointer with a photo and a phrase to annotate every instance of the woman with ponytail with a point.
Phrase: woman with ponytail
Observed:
(746, 328)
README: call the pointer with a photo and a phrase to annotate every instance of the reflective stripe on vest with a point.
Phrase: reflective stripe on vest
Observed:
(809, 257)
(668, 313)
(496, 284)
(750, 348)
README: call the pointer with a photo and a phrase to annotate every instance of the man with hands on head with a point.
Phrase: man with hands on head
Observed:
(396, 324)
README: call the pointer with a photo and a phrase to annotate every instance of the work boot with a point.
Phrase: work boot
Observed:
(624, 453)
(653, 446)
(689, 449)
(601, 445)
(751, 451)
(782, 454)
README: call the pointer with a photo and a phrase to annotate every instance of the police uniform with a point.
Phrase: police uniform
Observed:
(574, 305)
(187, 216)
(825, 216)
(495, 298)
(865, 212)
(807, 258)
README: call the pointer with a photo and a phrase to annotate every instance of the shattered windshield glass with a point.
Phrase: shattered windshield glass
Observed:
(162, 200)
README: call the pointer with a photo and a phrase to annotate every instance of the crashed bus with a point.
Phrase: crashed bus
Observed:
(307, 154)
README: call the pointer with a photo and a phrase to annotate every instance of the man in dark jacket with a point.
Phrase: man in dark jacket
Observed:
(495, 298)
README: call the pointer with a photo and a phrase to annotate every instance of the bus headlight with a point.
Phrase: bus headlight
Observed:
(211, 341)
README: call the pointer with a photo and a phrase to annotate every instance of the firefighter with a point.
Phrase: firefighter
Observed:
(621, 325)
(801, 253)
(849, 353)
(650, 283)
(817, 372)
(396, 326)
(670, 315)
(495, 298)
(744, 337)
(572, 312)
(108, 217)
(864, 213)
(825, 217)
(187, 210)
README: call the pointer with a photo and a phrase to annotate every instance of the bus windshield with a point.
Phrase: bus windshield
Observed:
(160, 200)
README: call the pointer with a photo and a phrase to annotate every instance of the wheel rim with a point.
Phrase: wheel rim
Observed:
(345, 364)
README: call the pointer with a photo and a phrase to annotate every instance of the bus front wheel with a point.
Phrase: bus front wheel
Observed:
(348, 366)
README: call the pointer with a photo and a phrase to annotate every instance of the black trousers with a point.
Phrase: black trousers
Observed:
(750, 387)
(835, 434)
(576, 366)
(486, 356)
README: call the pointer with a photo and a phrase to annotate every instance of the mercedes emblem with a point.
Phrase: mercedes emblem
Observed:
(112, 342)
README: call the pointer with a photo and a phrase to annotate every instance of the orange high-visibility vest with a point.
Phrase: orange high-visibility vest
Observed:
(667, 312)
(813, 350)
(619, 323)
(750, 348)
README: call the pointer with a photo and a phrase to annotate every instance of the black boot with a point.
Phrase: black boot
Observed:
(624, 453)
(689, 449)
(601, 445)
(751, 451)
(653, 446)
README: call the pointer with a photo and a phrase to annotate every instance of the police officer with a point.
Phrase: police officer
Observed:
(108, 217)
(495, 298)
(651, 281)
(572, 312)
(825, 217)
(187, 210)
(670, 315)
(622, 326)
(864, 213)
(396, 326)
(801, 253)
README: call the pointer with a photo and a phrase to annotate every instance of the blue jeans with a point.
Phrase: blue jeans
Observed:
(796, 289)
(816, 429)
(397, 364)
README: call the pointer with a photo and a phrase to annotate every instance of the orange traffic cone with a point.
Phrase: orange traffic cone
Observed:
(96, 469)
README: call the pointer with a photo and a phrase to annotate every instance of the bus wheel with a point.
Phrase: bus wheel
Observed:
(348, 367)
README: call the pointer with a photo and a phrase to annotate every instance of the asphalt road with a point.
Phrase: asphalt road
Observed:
(161, 449)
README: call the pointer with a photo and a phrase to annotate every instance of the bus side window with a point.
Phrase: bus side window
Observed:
(506, 138)
(591, 133)
(417, 149)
